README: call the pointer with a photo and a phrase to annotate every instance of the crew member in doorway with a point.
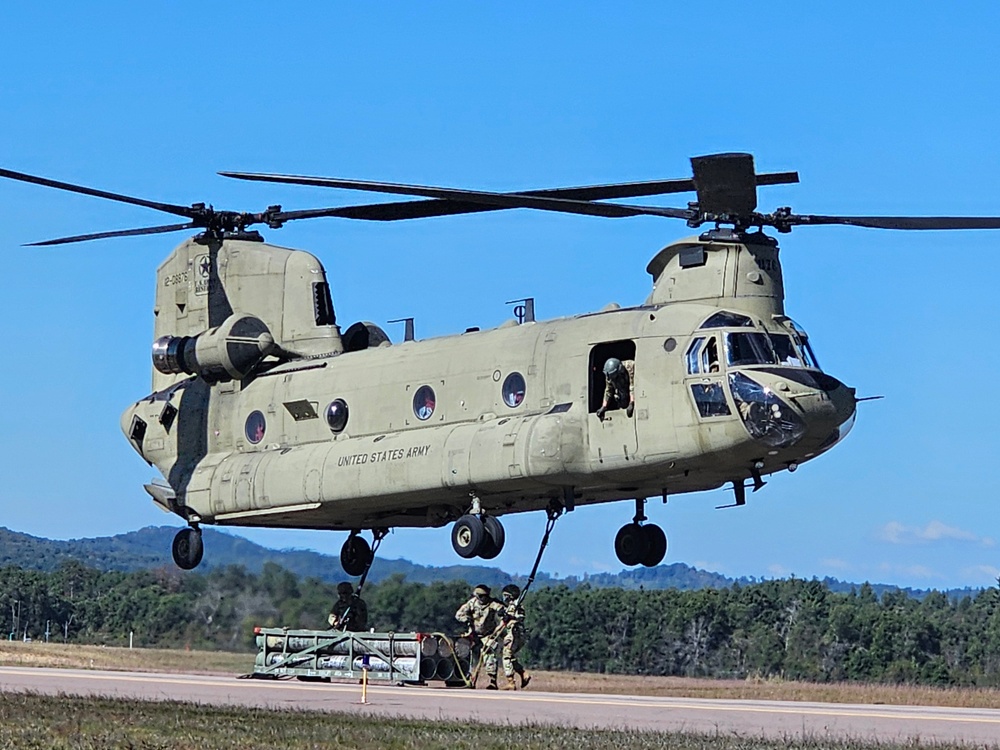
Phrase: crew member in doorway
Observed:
(514, 637)
(484, 617)
(619, 389)
(349, 612)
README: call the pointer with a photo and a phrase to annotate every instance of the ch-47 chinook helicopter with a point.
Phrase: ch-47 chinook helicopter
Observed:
(263, 413)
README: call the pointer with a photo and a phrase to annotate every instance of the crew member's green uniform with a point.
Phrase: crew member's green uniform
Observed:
(482, 613)
(514, 636)
(619, 387)
(349, 612)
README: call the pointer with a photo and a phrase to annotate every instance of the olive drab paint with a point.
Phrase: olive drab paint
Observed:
(390, 467)
(264, 412)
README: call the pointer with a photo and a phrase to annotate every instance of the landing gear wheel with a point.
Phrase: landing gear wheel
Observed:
(467, 536)
(355, 555)
(494, 538)
(656, 545)
(631, 544)
(187, 548)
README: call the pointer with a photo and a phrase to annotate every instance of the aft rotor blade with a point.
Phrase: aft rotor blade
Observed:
(119, 233)
(497, 200)
(900, 222)
(401, 210)
(166, 207)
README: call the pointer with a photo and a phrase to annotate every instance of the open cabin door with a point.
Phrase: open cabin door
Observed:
(613, 440)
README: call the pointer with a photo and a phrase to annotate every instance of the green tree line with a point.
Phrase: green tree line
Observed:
(795, 629)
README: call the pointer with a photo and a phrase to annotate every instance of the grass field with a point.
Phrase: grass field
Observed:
(223, 663)
(30, 722)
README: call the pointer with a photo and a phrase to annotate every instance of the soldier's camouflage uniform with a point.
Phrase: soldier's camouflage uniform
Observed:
(354, 609)
(514, 638)
(483, 619)
(618, 394)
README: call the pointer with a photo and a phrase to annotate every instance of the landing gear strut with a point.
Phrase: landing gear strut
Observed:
(188, 548)
(477, 535)
(357, 556)
(637, 544)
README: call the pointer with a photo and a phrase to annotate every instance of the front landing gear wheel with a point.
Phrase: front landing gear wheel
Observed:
(493, 539)
(656, 545)
(467, 536)
(631, 544)
(355, 555)
(187, 548)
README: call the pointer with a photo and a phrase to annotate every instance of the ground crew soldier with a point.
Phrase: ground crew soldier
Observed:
(619, 389)
(484, 616)
(514, 637)
(349, 612)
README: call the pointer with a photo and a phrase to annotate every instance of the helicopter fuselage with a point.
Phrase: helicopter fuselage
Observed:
(413, 434)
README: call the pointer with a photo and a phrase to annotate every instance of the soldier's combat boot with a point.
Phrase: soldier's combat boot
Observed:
(525, 678)
(493, 683)
(510, 684)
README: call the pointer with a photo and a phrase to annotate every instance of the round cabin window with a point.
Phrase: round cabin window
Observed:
(255, 427)
(336, 415)
(513, 389)
(423, 402)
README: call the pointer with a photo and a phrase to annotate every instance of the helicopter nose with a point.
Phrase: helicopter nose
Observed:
(829, 409)
(782, 408)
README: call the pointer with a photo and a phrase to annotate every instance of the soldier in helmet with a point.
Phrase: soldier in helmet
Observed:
(483, 616)
(619, 389)
(349, 612)
(514, 637)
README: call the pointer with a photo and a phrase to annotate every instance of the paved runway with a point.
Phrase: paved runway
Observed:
(753, 718)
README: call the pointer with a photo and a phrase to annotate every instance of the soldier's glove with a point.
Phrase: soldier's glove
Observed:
(600, 413)
(332, 619)
(629, 410)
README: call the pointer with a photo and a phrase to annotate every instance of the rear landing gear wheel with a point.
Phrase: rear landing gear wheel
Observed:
(187, 548)
(631, 544)
(355, 555)
(493, 539)
(656, 545)
(467, 536)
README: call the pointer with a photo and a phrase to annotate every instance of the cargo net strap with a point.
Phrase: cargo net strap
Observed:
(377, 536)
(489, 643)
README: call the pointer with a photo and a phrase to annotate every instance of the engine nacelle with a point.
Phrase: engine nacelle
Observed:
(228, 352)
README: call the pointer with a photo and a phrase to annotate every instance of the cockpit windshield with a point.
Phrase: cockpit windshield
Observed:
(749, 349)
(785, 350)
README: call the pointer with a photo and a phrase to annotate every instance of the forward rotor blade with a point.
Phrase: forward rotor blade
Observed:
(901, 222)
(166, 207)
(397, 211)
(119, 233)
(478, 197)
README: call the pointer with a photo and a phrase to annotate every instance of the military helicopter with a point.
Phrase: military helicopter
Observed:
(263, 413)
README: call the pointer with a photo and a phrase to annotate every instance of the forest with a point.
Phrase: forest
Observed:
(793, 628)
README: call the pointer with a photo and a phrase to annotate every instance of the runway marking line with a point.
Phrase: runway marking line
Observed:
(623, 702)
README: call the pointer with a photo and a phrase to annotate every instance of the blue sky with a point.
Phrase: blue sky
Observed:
(881, 112)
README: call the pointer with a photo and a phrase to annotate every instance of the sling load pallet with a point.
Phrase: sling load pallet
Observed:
(403, 658)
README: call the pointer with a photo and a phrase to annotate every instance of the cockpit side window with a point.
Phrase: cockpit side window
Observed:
(801, 339)
(749, 349)
(710, 356)
(703, 355)
(807, 353)
(692, 356)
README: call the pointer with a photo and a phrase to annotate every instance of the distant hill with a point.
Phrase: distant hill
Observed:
(150, 548)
